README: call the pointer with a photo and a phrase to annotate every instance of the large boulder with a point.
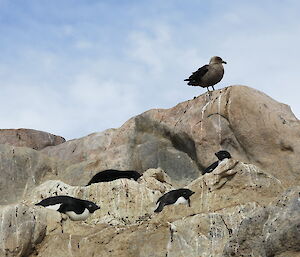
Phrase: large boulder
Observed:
(21, 169)
(182, 140)
(31, 138)
(21, 229)
(242, 208)
(270, 231)
(121, 201)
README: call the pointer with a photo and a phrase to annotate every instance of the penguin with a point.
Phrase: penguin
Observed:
(221, 155)
(110, 175)
(76, 209)
(177, 196)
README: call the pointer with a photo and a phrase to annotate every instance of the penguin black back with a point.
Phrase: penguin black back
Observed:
(172, 197)
(110, 175)
(66, 204)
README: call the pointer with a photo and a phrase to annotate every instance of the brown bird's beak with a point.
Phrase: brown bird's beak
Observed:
(224, 62)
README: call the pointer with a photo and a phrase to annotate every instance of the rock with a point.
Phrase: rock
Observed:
(182, 140)
(231, 184)
(29, 138)
(21, 228)
(248, 206)
(242, 230)
(21, 169)
(270, 231)
(206, 234)
(138, 240)
(122, 201)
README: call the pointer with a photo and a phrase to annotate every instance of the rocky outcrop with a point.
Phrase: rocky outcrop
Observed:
(182, 140)
(122, 201)
(248, 206)
(270, 231)
(21, 229)
(29, 138)
(126, 225)
(21, 169)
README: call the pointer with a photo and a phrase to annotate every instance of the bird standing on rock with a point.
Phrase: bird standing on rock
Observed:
(208, 75)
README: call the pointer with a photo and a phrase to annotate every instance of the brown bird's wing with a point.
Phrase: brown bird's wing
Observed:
(196, 77)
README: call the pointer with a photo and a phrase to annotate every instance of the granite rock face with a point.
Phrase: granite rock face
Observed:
(126, 225)
(21, 169)
(29, 138)
(21, 229)
(248, 206)
(182, 140)
(270, 231)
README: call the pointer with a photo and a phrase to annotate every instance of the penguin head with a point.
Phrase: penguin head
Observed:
(221, 155)
(92, 207)
(186, 193)
(136, 175)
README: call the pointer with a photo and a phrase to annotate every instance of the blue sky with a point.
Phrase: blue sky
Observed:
(74, 67)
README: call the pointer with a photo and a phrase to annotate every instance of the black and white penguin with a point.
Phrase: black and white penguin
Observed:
(76, 209)
(110, 175)
(221, 155)
(177, 196)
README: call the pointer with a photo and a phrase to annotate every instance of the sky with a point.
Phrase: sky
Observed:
(75, 67)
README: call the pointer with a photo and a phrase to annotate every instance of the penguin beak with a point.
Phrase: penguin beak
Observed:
(224, 62)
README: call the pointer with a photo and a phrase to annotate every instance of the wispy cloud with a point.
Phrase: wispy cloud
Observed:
(73, 68)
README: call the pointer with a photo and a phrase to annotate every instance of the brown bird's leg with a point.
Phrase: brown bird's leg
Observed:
(213, 87)
(208, 91)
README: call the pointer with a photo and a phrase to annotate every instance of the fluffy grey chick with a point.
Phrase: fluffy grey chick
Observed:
(208, 75)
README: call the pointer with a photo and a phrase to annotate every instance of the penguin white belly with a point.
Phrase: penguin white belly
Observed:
(181, 200)
(54, 207)
(74, 216)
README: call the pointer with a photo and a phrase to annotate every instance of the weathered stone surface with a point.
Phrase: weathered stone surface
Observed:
(182, 140)
(126, 225)
(122, 201)
(21, 229)
(270, 231)
(232, 183)
(29, 138)
(242, 208)
(21, 169)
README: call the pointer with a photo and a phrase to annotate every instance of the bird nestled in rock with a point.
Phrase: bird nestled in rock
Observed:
(209, 74)
(221, 155)
(110, 175)
(175, 197)
(76, 209)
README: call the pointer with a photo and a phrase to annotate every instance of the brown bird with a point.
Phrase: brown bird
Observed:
(208, 75)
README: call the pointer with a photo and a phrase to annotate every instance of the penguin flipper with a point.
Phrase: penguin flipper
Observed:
(160, 207)
(210, 168)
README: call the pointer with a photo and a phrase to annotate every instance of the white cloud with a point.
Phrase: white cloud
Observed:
(80, 81)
